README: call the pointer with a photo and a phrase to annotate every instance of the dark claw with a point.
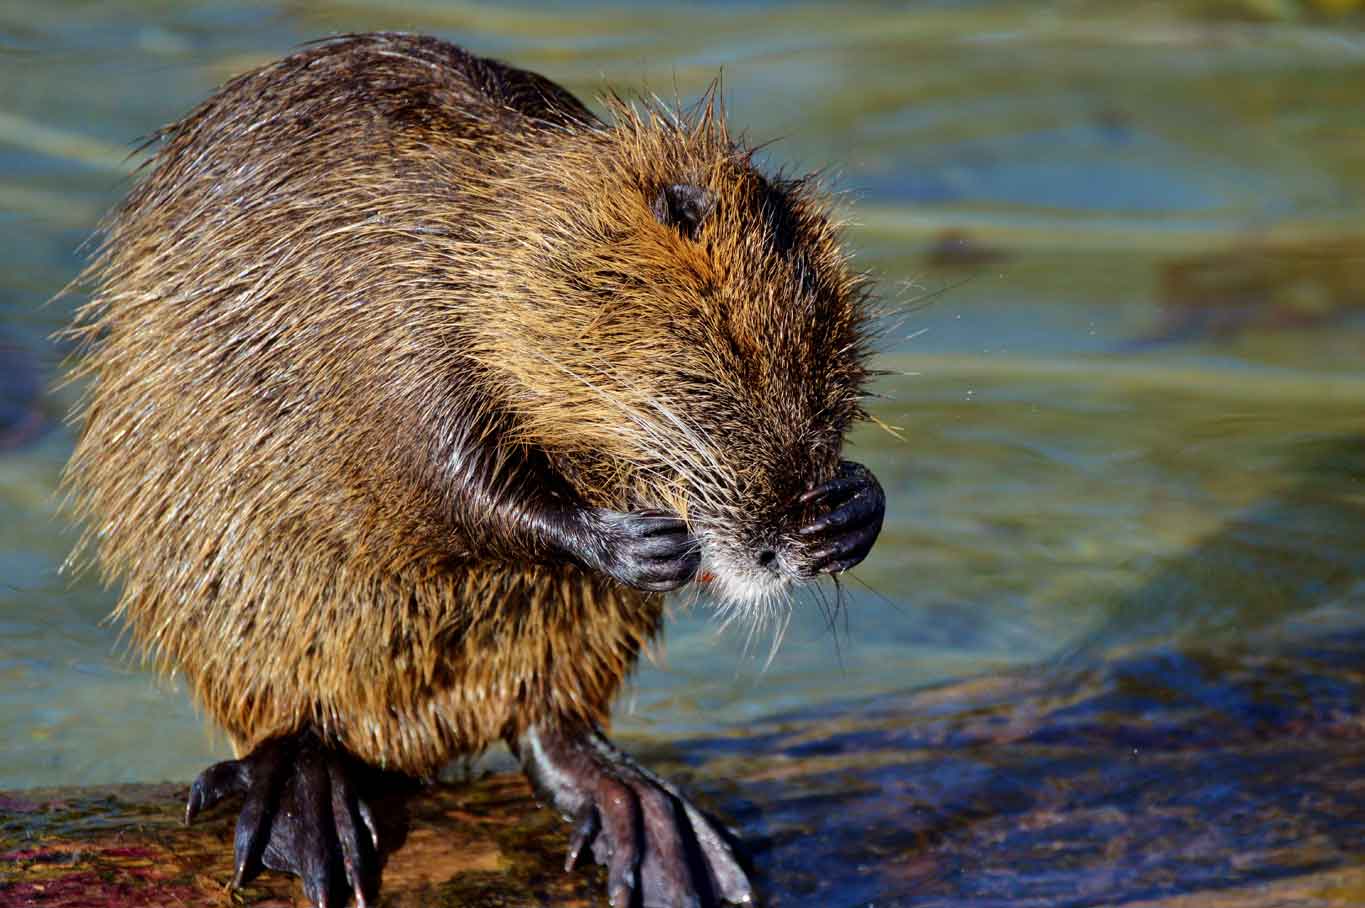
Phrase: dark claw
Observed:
(845, 550)
(659, 850)
(301, 814)
(617, 845)
(584, 830)
(212, 785)
(839, 519)
(664, 868)
(618, 894)
(368, 818)
(250, 838)
(356, 851)
(315, 852)
(836, 488)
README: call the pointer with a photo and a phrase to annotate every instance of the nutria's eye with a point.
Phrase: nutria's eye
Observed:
(682, 206)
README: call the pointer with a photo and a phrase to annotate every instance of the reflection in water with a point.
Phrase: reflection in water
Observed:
(1298, 551)
(1196, 768)
(1261, 285)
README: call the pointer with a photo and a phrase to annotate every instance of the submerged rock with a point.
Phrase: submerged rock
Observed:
(1261, 286)
(22, 418)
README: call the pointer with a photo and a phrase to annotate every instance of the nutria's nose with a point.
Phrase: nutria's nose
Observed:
(765, 557)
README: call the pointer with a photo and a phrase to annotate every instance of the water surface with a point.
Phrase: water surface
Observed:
(1124, 255)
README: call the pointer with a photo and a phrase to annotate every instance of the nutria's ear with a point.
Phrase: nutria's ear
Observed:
(682, 206)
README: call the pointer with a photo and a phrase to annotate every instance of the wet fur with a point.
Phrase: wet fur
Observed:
(372, 306)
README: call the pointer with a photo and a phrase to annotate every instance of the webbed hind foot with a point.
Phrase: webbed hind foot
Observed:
(660, 851)
(302, 815)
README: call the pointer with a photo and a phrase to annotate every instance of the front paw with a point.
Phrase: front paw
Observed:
(845, 518)
(647, 550)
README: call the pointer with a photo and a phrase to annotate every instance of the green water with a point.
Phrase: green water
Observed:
(1094, 459)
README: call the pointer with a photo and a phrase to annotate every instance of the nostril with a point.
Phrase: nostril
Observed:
(766, 557)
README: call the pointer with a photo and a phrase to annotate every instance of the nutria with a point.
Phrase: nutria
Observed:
(412, 385)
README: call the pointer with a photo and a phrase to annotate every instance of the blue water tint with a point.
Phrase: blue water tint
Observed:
(1082, 166)
(1108, 535)
(1001, 794)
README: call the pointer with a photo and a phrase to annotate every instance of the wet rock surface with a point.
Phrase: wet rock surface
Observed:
(1161, 778)
(483, 844)
(1168, 778)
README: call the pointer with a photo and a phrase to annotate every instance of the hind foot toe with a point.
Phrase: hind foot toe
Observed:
(301, 815)
(660, 851)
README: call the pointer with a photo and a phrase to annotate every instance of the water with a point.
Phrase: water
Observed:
(1127, 253)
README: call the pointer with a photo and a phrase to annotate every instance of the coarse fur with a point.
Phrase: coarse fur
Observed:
(371, 302)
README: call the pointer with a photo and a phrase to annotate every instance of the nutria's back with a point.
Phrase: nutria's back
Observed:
(361, 282)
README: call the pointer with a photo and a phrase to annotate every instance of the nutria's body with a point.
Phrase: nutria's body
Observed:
(405, 366)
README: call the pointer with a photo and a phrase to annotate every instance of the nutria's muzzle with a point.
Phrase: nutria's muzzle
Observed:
(826, 529)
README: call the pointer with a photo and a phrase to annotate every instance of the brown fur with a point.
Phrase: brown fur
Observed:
(364, 301)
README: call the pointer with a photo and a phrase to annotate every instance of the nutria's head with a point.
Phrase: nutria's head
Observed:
(682, 331)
